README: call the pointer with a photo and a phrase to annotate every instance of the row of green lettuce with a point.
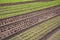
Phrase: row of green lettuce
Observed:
(9, 11)
(10, 1)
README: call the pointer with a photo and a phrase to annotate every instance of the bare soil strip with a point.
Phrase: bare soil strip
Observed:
(7, 38)
(10, 29)
(14, 19)
(50, 33)
(16, 3)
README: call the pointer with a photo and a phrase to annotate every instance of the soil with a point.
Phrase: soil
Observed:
(13, 28)
(24, 16)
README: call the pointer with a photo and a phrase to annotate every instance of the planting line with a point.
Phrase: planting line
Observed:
(38, 31)
(13, 28)
(28, 15)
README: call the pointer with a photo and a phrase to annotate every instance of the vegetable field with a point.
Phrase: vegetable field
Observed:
(8, 11)
(29, 20)
(38, 30)
(9, 1)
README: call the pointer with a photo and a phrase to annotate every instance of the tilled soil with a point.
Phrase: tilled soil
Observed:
(12, 28)
(28, 15)
(51, 27)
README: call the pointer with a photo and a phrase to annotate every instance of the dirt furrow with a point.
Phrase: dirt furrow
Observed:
(28, 15)
(11, 29)
(31, 33)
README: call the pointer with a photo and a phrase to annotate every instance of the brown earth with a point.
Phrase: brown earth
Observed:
(51, 32)
(24, 16)
(13, 28)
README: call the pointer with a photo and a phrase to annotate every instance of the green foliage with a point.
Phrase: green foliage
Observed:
(9, 1)
(8, 11)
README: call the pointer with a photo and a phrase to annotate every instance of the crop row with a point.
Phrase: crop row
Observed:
(18, 10)
(31, 14)
(14, 11)
(10, 1)
(39, 30)
(9, 11)
(55, 36)
(13, 28)
(48, 35)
